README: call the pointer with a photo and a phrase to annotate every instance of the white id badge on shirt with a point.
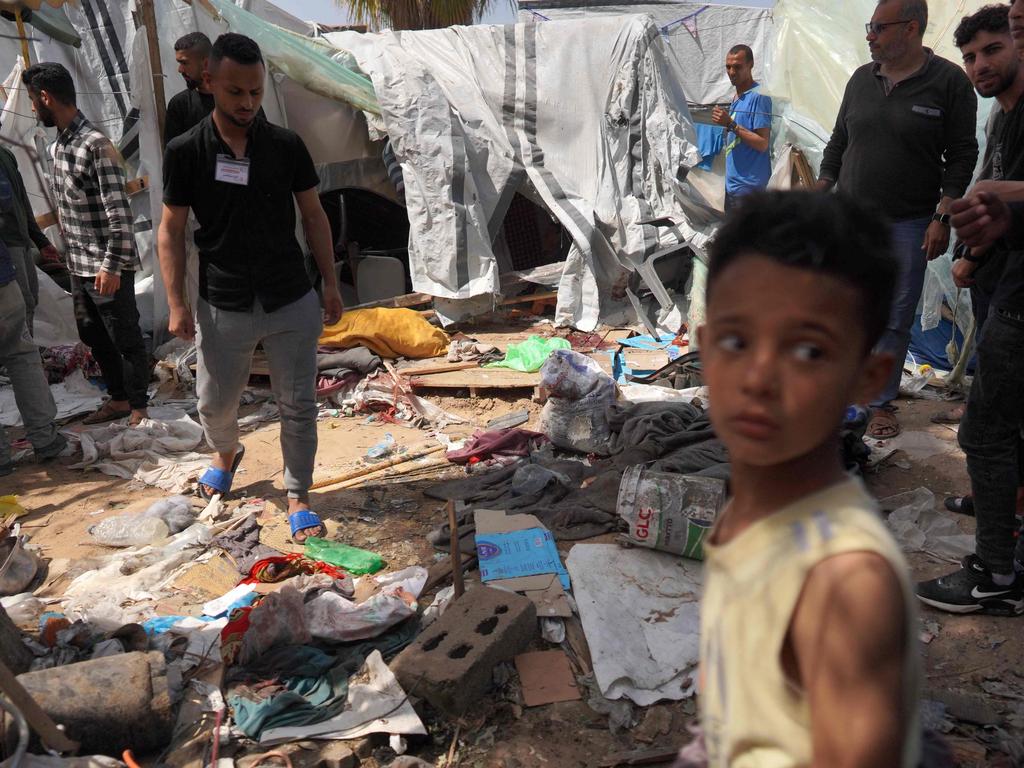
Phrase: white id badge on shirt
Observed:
(231, 170)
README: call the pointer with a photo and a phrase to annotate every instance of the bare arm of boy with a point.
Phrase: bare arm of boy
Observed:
(848, 639)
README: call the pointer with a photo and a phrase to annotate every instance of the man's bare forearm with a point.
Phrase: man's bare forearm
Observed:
(318, 235)
(171, 250)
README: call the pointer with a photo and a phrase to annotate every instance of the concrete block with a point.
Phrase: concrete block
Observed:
(451, 663)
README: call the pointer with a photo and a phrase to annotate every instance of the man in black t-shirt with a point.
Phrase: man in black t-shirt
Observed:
(188, 107)
(241, 176)
(991, 427)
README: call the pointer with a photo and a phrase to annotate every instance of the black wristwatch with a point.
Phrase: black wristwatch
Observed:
(942, 218)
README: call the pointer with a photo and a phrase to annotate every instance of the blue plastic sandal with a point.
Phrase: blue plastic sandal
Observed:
(303, 520)
(220, 479)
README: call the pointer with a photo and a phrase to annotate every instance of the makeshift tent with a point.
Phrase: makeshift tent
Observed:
(590, 116)
(113, 77)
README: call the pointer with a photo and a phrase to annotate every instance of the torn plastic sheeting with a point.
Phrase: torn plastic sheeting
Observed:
(129, 582)
(73, 396)
(641, 616)
(377, 706)
(302, 60)
(919, 527)
(454, 102)
(330, 616)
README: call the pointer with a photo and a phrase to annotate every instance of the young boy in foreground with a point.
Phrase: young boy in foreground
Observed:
(808, 641)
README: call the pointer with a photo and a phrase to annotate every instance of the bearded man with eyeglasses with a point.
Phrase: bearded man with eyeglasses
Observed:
(904, 141)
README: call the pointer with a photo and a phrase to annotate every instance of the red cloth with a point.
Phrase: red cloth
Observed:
(273, 569)
(507, 442)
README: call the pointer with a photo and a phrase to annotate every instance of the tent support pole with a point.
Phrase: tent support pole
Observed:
(24, 40)
(148, 14)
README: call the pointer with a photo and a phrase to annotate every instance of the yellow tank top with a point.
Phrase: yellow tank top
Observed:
(751, 714)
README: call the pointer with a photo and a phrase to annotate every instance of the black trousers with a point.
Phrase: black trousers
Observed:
(990, 435)
(109, 326)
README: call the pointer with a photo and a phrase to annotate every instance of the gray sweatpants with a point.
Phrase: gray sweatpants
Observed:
(19, 354)
(28, 281)
(226, 341)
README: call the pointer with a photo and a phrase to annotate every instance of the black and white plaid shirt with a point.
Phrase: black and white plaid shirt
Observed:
(88, 185)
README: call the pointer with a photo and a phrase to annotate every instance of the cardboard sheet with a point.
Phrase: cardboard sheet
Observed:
(546, 677)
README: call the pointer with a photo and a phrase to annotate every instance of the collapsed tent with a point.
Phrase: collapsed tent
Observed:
(585, 118)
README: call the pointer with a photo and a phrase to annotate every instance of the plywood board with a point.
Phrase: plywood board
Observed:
(478, 378)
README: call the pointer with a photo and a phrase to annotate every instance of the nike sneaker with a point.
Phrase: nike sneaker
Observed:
(971, 590)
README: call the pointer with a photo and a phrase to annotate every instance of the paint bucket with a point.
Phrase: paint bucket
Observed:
(669, 512)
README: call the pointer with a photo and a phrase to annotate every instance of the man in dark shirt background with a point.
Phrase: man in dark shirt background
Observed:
(187, 108)
(242, 176)
(904, 140)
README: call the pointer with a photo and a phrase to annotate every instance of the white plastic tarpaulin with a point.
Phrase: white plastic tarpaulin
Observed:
(585, 117)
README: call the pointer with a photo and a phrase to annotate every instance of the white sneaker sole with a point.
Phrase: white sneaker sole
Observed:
(1016, 610)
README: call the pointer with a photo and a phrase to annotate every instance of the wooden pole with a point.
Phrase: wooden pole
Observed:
(456, 552)
(21, 34)
(148, 13)
(351, 475)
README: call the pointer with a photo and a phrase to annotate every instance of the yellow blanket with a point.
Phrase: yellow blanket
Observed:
(387, 332)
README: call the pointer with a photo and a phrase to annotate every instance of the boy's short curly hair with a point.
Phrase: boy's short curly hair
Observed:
(821, 232)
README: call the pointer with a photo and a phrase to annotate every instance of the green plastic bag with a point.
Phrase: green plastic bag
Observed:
(531, 354)
(350, 559)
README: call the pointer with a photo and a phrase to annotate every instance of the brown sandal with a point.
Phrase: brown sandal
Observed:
(883, 424)
(106, 412)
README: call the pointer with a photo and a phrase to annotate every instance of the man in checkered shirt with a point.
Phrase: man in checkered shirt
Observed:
(89, 187)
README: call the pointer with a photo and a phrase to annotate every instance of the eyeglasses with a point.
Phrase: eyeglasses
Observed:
(878, 27)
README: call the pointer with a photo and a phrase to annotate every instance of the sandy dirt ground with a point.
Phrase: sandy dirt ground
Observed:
(972, 664)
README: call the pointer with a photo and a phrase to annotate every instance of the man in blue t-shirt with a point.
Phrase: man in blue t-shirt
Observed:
(747, 124)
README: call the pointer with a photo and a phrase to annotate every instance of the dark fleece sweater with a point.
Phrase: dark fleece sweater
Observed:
(903, 151)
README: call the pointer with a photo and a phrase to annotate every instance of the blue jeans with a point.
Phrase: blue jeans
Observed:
(907, 239)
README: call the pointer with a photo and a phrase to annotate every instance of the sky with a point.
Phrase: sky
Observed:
(329, 12)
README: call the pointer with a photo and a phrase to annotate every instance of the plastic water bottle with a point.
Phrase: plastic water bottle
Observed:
(919, 381)
(129, 531)
(382, 449)
(856, 417)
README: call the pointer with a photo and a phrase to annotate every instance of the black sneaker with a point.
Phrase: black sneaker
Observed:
(971, 590)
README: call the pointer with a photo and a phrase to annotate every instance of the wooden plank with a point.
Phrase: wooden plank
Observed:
(47, 219)
(137, 185)
(439, 572)
(428, 370)
(477, 379)
(148, 14)
(397, 302)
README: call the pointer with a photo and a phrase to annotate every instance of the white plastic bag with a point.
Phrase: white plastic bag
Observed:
(570, 375)
(330, 616)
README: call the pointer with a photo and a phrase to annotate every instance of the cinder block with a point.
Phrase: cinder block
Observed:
(451, 663)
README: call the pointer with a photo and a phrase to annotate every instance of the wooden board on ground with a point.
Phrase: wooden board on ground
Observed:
(477, 379)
